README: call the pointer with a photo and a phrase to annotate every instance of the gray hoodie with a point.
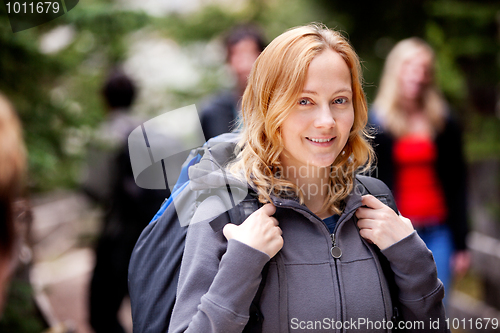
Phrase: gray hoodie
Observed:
(307, 289)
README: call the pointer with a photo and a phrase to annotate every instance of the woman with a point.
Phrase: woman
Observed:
(420, 155)
(304, 115)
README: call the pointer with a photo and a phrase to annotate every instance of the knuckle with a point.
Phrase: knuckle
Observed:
(385, 215)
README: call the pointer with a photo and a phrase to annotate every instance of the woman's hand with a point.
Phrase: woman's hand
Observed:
(260, 231)
(379, 224)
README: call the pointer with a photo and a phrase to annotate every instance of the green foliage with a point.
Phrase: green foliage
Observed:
(465, 37)
(482, 137)
(20, 314)
(203, 25)
(26, 75)
(108, 26)
(57, 95)
(448, 75)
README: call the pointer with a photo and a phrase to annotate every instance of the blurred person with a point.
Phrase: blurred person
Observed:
(243, 45)
(303, 110)
(12, 170)
(420, 157)
(128, 208)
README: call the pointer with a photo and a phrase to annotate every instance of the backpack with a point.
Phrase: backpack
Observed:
(156, 259)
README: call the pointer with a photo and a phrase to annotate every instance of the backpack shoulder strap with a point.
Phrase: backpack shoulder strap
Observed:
(378, 189)
(237, 215)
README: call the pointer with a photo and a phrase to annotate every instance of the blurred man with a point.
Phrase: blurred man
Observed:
(243, 44)
(128, 208)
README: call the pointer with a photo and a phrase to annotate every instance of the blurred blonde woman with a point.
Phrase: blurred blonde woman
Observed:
(12, 168)
(303, 140)
(419, 150)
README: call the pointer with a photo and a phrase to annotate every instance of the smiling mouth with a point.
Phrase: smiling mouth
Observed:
(319, 140)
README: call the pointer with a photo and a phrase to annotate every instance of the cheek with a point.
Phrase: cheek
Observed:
(290, 128)
(286, 135)
(347, 125)
(348, 122)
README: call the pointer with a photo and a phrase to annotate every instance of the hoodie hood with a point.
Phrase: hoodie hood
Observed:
(216, 189)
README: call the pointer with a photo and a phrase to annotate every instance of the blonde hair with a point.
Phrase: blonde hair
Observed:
(275, 82)
(387, 103)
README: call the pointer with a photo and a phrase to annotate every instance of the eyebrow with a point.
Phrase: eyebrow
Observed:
(338, 91)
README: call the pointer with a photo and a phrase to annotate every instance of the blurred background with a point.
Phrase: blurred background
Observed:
(173, 50)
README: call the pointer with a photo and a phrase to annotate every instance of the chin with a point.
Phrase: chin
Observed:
(322, 163)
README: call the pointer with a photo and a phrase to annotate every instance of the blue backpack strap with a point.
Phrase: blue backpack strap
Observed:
(184, 176)
(181, 184)
(167, 202)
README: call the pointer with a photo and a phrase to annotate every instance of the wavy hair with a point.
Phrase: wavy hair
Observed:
(275, 82)
(12, 171)
(387, 102)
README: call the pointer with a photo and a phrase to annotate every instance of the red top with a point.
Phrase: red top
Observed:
(418, 192)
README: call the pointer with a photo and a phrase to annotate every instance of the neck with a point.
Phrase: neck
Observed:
(314, 183)
(411, 106)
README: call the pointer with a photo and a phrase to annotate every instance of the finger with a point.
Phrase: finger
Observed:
(365, 213)
(366, 224)
(279, 231)
(268, 209)
(228, 230)
(366, 234)
(275, 221)
(372, 202)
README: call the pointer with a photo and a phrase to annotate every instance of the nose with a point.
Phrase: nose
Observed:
(420, 74)
(324, 116)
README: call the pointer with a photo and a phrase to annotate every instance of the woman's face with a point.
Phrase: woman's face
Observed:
(317, 128)
(415, 76)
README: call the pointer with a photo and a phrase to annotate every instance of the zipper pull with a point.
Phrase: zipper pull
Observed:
(335, 250)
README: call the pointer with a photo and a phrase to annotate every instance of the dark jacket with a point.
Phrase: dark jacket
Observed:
(451, 170)
(305, 285)
(219, 114)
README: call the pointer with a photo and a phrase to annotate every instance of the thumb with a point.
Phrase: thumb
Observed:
(229, 230)
(269, 209)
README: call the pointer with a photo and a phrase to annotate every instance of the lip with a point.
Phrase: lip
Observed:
(321, 144)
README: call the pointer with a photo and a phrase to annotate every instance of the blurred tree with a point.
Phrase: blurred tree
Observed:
(56, 93)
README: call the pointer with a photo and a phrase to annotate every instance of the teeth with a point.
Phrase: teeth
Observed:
(320, 140)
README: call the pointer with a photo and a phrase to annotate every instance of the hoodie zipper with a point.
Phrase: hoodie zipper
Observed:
(335, 251)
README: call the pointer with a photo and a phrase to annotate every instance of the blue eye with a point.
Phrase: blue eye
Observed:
(340, 100)
(304, 101)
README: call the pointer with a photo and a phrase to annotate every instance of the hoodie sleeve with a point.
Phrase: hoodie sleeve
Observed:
(217, 283)
(420, 291)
